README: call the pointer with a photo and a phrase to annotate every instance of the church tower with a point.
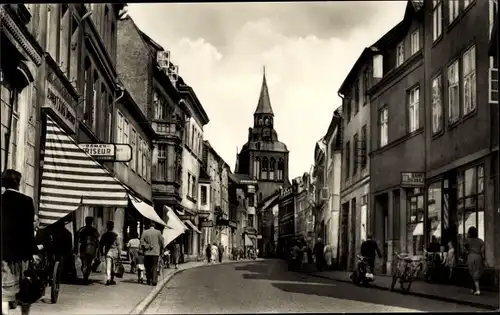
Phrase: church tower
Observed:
(264, 157)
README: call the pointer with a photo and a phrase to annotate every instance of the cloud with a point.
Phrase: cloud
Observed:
(220, 53)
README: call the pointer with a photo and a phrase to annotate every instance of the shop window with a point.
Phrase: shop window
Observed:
(470, 205)
(415, 226)
(434, 212)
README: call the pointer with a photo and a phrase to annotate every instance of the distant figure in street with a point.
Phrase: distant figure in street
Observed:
(152, 243)
(221, 252)
(109, 247)
(434, 246)
(369, 249)
(319, 248)
(133, 250)
(328, 256)
(215, 253)
(176, 255)
(208, 253)
(474, 247)
(450, 259)
(63, 251)
(88, 238)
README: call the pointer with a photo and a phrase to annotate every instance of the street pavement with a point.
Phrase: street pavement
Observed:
(267, 287)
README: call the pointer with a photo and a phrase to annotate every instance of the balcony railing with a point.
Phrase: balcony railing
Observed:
(167, 129)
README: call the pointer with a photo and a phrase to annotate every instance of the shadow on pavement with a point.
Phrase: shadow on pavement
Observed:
(265, 271)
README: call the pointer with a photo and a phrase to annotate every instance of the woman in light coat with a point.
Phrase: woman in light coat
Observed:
(215, 253)
(328, 256)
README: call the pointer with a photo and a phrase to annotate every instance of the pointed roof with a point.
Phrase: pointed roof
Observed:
(264, 105)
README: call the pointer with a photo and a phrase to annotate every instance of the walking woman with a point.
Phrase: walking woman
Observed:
(328, 256)
(18, 239)
(208, 252)
(474, 247)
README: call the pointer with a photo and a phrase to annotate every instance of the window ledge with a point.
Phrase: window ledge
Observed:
(437, 40)
(452, 125)
(453, 23)
(191, 199)
(438, 134)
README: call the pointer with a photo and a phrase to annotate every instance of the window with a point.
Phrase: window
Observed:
(384, 126)
(265, 168)
(415, 226)
(133, 161)
(203, 195)
(453, 10)
(470, 204)
(281, 168)
(64, 38)
(453, 93)
(434, 212)
(415, 42)
(272, 168)
(355, 153)
(437, 19)
(256, 167)
(10, 105)
(145, 150)
(347, 159)
(437, 106)
(126, 130)
(189, 192)
(365, 87)
(93, 113)
(140, 155)
(413, 110)
(250, 221)
(87, 103)
(356, 97)
(191, 144)
(193, 187)
(364, 144)
(466, 3)
(158, 107)
(469, 80)
(400, 54)
(119, 128)
(347, 103)
(161, 168)
(251, 200)
(102, 117)
(378, 66)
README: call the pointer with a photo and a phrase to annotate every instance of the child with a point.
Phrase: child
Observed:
(443, 254)
(450, 259)
(141, 270)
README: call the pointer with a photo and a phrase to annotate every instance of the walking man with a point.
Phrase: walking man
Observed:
(221, 252)
(88, 237)
(152, 243)
(369, 249)
(110, 249)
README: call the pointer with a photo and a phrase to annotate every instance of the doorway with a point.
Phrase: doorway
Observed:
(344, 236)
(382, 226)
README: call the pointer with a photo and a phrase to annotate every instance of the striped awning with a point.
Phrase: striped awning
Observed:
(72, 178)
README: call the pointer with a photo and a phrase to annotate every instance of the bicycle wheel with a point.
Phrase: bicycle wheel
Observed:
(55, 283)
(395, 277)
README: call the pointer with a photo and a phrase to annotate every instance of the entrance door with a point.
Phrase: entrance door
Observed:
(344, 236)
(386, 245)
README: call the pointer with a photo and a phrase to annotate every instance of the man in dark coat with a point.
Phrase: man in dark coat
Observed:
(221, 252)
(88, 238)
(368, 249)
(319, 248)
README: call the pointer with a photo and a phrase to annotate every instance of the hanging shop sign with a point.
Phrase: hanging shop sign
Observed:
(59, 107)
(412, 179)
(207, 224)
(108, 151)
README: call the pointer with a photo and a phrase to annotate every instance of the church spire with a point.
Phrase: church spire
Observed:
(264, 105)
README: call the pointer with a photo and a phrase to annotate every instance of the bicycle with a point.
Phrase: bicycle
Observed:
(407, 270)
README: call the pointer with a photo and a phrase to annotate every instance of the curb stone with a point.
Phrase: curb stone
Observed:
(428, 296)
(144, 303)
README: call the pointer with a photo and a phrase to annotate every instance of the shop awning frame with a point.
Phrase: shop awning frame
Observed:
(192, 226)
(175, 226)
(147, 211)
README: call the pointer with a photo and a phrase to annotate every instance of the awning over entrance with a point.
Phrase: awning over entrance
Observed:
(175, 226)
(192, 226)
(72, 178)
(249, 240)
(147, 211)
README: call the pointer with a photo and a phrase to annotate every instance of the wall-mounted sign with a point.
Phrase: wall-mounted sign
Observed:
(60, 108)
(412, 179)
(207, 224)
(108, 151)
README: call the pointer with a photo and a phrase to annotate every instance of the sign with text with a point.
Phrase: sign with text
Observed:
(108, 151)
(61, 109)
(207, 224)
(412, 179)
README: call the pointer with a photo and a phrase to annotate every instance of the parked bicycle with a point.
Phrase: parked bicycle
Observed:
(407, 270)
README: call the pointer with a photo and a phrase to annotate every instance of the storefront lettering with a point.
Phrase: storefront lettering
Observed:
(57, 104)
(412, 179)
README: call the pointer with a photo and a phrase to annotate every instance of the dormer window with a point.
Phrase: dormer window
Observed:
(400, 54)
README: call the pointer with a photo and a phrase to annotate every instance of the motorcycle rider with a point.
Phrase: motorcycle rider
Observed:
(368, 249)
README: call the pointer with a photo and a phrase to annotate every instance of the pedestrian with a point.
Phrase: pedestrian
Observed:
(474, 247)
(208, 253)
(110, 249)
(450, 259)
(369, 249)
(19, 246)
(319, 248)
(88, 238)
(63, 251)
(141, 269)
(133, 250)
(328, 256)
(152, 243)
(221, 252)
(215, 252)
(176, 255)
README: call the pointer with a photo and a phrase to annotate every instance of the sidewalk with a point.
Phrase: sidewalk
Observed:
(447, 293)
(96, 298)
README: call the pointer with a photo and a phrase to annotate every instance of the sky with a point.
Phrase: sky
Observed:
(307, 49)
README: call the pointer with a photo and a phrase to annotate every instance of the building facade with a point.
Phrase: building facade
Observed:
(264, 157)
(397, 155)
(333, 161)
(355, 179)
(286, 220)
(321, 194)
(304, 222)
